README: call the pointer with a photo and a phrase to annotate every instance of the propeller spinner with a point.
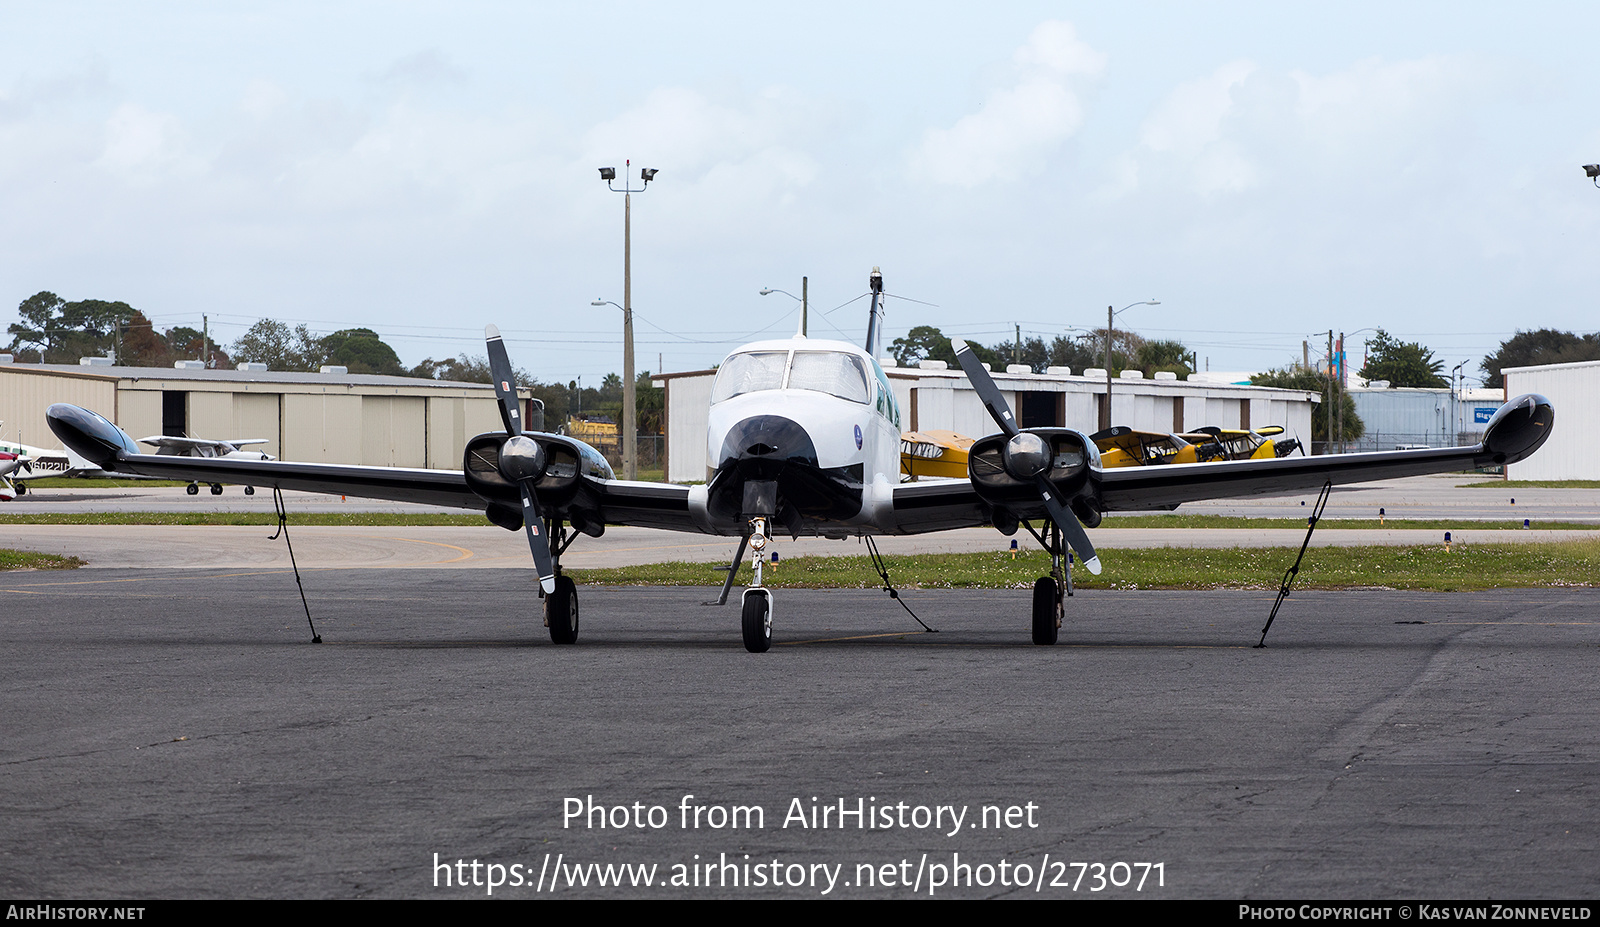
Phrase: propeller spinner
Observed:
(1026, 455)
(522, 460)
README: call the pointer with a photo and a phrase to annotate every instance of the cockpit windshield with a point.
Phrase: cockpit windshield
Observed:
(748, 373)
(831, 372)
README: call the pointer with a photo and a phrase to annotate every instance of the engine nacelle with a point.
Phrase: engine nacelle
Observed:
(559, 461)
(1004, 471)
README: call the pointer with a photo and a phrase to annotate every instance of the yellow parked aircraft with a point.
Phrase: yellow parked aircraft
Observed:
(1262, 444)
(933, 454)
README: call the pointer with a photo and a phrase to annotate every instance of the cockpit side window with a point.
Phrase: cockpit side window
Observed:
(749, 373)
(830, 372)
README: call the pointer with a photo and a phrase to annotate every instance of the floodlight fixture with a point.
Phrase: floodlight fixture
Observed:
(608, 174)
(1592, 171)
(647, 174)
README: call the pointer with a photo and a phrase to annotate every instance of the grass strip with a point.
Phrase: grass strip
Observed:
(1466, 567)
(30, 560)
(1532, 484)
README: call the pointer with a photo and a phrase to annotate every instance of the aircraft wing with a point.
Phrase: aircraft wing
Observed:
(1146, 488)
(657, 505)
(1517, 430)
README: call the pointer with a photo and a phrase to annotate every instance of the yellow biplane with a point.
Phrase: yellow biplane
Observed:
(933, 454)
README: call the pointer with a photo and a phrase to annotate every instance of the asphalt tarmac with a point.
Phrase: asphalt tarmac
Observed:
(172, 733)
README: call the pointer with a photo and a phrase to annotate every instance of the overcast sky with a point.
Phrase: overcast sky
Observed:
(1268, 171)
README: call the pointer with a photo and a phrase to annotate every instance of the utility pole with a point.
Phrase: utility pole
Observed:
(1327, 414)
(1340, 368)
(629, 428)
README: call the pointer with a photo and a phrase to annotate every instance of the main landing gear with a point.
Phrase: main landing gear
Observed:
(1049, 604)
(561, 606)
(193, 489)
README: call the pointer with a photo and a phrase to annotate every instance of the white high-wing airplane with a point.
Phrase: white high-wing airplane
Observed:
(176, 446)
(805, 438)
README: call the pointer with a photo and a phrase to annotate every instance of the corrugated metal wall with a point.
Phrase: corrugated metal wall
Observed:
(1573, 451)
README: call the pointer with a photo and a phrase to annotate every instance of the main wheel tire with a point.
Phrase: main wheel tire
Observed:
(216, 489)
(561, 612)
(249, 490)
(757, 623)
(192, 489)
(22, 489)
(1044, 610)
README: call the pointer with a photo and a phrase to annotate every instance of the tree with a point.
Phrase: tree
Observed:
(1545, 346)
(650, 405)
(1314, 382)
(1402, 363)
(142, 345)
(41, 319)
(1170, 356)
(61, 332)
(924, 342)
(272, 343)
(190, 344)
(362, 351)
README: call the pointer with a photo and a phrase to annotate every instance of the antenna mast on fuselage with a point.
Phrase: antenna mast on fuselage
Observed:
(875, 321)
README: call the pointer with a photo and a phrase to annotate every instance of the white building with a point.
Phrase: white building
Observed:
(1573, 451)
(933, 397)
(1406, 417)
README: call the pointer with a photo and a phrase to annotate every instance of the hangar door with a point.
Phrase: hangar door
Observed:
(394, 431)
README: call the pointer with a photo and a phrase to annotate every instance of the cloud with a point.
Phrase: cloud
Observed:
(1243, 127)
(1019, 124)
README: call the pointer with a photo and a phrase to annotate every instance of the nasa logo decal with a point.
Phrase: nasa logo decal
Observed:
(858, 437)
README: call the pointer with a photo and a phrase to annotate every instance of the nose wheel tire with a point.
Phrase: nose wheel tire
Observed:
(216, 489)
(757, 622)
(1045, 595)
(561, 612)
(192, 489)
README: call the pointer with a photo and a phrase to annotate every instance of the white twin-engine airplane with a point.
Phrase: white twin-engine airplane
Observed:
(805, 440)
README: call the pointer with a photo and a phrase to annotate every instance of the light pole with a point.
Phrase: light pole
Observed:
(630, 437)
(1105, 418)
(768, 291)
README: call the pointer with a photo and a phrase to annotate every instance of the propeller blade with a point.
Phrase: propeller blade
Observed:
(505, 382)
(1070, 527)
(989, 393)
(538, 542)
(505, 389)
(999, 410)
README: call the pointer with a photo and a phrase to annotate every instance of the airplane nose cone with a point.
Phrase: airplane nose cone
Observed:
(760, 445)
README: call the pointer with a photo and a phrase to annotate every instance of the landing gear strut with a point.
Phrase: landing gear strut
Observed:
(1049, 604)
(756, 617)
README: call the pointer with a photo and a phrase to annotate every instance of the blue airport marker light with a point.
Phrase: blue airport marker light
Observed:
(1525, 523)
(774, 558)
(1014, 549)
